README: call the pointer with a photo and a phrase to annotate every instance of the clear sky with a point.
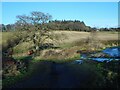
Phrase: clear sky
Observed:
(94, 14)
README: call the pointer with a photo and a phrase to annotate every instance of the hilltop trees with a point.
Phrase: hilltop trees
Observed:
(69, 25)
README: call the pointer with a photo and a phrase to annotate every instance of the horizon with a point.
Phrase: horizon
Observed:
(93, 14)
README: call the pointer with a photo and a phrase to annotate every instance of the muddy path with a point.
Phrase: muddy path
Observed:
(54, 75)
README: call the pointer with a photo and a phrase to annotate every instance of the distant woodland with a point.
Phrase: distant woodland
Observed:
(68, 25)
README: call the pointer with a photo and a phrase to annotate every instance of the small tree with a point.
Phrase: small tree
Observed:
(34, 25)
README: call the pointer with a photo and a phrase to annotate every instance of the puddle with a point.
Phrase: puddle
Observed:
(77, 62)
(104, 59)
(113, 51)
(108, 54)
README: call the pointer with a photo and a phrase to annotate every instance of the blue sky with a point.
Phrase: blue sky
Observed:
(94, 14)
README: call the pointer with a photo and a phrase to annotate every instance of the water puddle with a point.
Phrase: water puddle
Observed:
(113, 51)
(108, 54)
(77, 62)
(104, 59)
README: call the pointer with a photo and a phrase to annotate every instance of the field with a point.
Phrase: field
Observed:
(71, 35)
(67, 43)
(75, 36)
(66, 39)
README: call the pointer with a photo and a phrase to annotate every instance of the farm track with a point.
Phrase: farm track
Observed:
(59, 76)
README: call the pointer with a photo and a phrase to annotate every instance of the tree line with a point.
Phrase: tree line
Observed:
(53, 25)
(39, 20)
(68, 25)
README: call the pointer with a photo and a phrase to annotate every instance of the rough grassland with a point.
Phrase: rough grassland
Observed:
(68, 36)
(75, 36)
(66, 39)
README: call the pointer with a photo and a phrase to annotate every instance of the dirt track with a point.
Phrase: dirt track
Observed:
(58, 76)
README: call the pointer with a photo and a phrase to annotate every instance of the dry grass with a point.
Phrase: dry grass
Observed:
(107, 36)
(72, 36)
(7, 36)
(10, 39)
(58, 54)
(66, 36)
(0, 38)
(73, 40)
